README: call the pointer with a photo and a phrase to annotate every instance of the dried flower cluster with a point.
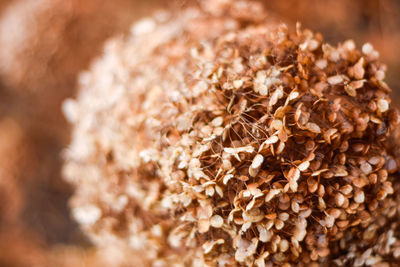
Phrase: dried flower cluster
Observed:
(378, 244)
(215, 137)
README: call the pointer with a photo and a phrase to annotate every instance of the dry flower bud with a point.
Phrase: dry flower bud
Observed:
(339, 199)
(359, 196)
(255, 165)
(216, 221)
(383, 105)
(334, 80)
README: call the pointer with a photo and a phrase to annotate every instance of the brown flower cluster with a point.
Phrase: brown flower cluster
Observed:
(217, 137)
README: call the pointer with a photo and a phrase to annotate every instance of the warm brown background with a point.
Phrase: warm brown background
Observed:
(44, 44)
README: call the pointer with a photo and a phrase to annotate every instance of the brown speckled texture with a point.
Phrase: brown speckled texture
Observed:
(240, 144)
(43, 62)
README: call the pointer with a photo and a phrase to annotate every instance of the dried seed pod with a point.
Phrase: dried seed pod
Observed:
(255, 165)
(213, 140)
(340, 199)
(359, 196)
(216, 221)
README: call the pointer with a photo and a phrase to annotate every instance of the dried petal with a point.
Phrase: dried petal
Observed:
(216, 221)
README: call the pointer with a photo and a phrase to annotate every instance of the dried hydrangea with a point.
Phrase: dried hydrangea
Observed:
(217, 137)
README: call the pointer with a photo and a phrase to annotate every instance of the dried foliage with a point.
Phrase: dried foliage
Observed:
(240, 144)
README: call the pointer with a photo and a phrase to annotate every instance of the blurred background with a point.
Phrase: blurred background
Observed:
(45, 44)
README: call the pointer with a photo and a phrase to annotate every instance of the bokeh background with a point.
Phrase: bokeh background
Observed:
(45, 44)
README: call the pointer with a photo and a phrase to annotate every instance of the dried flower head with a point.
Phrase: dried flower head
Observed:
(218, 138)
